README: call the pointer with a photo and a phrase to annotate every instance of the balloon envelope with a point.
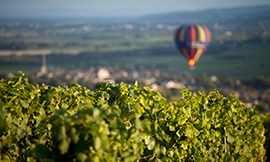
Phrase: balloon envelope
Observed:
(192, 41)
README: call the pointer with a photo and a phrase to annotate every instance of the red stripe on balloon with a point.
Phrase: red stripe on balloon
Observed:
(192, 53)
(192, 33)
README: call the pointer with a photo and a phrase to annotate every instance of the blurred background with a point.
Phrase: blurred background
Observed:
(58, 42)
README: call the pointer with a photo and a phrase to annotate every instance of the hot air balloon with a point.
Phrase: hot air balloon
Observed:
(192, 41)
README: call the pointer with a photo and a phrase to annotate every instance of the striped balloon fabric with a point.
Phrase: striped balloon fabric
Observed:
(192, 41)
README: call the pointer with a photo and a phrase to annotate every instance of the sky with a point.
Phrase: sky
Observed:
(117, 7)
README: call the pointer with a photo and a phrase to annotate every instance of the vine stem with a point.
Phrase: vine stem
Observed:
(225, 143)
(148, 156)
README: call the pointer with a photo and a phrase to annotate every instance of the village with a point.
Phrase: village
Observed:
(168, 84)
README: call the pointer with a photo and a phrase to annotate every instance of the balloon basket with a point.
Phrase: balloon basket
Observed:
(192, 67)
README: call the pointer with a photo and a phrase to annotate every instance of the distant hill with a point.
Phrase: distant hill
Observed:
(212, 15)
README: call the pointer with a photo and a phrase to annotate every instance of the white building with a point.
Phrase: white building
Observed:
(103, 74)
(172, 84)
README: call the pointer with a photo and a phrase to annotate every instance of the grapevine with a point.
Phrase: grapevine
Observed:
(120, 122)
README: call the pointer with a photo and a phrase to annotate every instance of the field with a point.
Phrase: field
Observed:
(249, 60)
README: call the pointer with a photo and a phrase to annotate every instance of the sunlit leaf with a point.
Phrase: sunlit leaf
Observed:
(150, 143)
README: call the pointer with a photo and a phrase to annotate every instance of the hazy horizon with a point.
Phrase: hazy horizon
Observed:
(116, 8)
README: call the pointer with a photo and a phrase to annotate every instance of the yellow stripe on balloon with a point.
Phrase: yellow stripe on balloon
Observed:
(201, 34)
(185, 53)
(182, 33)
(198, 54)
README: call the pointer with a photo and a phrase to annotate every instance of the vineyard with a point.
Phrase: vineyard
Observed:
(119, 122)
